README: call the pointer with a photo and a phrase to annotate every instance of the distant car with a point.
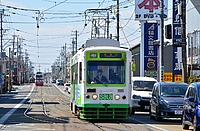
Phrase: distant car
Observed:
(141, 93)
(59, 82)
(167, 100)
(53, 81)
(32, 80)
(191, 107)
(67, 87)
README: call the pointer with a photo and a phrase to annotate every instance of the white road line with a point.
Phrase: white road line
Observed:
(159, 128)
(8, 114)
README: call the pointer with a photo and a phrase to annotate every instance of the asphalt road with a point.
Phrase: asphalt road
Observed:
(30, 108)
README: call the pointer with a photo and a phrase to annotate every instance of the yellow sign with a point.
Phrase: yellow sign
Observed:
(167, 77)
(178, 78)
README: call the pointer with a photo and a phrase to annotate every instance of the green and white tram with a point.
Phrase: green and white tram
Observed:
(105, 97)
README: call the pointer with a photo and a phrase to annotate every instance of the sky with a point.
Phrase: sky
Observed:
(58, 21)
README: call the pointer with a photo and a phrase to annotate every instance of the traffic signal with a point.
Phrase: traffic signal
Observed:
(168, 31)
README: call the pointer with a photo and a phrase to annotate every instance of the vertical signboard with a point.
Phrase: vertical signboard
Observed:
(149, 10)
(177, 51)
(150, 50)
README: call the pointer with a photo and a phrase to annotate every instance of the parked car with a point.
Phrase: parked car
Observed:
(167, 100)
(53, 81)
(59, 82)
(67, 86)
(191, 107)
(141, 93)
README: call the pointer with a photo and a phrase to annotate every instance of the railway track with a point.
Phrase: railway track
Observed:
(48, 105)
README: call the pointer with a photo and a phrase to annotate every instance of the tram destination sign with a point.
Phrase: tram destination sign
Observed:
(110, 55)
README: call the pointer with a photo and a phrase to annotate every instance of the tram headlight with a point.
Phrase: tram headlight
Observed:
(117, 97)
(94, 96)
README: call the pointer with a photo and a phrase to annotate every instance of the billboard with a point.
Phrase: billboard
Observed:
(150, 50)
(150, 10)
(176, 36)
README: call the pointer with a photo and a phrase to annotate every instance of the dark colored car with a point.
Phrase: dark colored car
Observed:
(59, 82)
(191, 107)
(53, 81)
(167, 100)
(32, 80)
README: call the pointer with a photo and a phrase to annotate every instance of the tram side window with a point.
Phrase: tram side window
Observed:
(80, 72)
(74, 72)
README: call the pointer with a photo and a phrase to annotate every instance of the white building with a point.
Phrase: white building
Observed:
(193, 36)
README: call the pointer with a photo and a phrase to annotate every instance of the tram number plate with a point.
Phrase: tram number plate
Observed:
(105, 96)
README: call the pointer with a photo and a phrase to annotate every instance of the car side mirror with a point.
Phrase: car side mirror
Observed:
(191, 99)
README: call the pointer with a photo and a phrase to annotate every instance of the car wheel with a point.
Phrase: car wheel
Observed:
(195, 128)
(185, 126)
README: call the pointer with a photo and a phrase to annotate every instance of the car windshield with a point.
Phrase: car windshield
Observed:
(67, 84)
(143, 85)
(60, 80)
(173, 90)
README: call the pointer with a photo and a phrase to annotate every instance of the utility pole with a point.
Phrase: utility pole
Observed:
(9, 78)
(74, 42)
(17, 71)
(73, 47)
(162, 42)
(65, 64)
(117, 20)
(183, 36)
(2, 13)
(76, 39)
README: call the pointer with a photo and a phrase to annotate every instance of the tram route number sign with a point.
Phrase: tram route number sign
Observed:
(105, 96)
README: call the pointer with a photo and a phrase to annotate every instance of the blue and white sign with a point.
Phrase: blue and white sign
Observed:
(150, 50)
(177, 55)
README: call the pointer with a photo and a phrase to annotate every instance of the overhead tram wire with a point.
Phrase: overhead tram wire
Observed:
(78, 2)
(54, 6)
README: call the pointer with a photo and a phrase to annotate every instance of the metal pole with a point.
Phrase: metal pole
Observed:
(1, 50)
(65, 69)
(162, 42)
(183, 36)
(9, 78)
(117, 20)
(76, 39)
(1, 41)
(107, 22)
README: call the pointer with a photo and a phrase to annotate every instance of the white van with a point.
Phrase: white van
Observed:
(141, 93)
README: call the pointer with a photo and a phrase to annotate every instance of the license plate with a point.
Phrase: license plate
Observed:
(178, 112)
(147, 107)
(105, 96)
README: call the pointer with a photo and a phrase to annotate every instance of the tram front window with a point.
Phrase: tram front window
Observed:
(106, 72)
